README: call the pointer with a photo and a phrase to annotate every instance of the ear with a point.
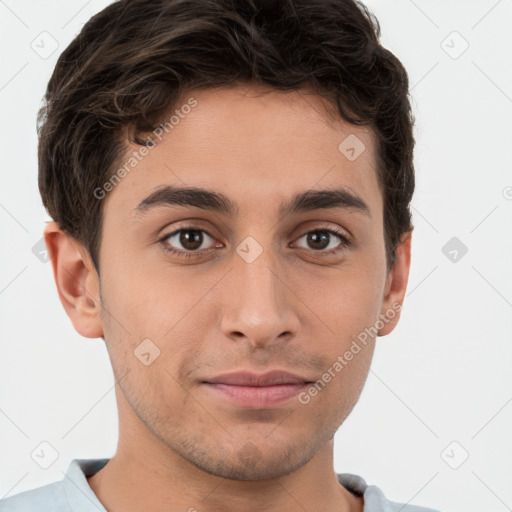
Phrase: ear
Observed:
(396, 284)
(76, 279)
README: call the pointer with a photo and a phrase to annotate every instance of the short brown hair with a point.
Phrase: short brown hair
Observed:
(132, 62)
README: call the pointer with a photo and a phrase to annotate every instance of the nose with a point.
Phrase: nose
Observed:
(259, 305)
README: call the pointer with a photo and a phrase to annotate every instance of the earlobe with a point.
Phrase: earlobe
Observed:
(76, 279)
(396, 285)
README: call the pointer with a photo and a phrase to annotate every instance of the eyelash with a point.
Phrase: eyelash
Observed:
(345, 242)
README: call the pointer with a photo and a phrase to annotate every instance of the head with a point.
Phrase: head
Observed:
(295, 124)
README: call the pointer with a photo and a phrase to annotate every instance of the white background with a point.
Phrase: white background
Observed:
(443, 375)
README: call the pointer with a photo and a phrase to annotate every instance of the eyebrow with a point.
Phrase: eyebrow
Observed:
(310, 200)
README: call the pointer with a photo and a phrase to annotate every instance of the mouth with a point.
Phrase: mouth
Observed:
(253, 391)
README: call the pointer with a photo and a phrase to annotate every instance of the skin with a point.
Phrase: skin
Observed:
(294, 307)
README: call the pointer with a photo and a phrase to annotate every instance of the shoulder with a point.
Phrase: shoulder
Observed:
(72, 493)
(48, 498)
(404, 507)
(374, 498)
(392, 506)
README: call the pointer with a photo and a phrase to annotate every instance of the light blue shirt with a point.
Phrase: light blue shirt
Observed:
(73, 493)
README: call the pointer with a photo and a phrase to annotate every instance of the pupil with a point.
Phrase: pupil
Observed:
(316, 236)
(191, 242)
(192, 239)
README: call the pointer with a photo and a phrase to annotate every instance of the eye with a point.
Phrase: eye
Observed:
(190, 238)
(321, 239)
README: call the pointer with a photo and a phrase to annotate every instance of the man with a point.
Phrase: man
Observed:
(229, 185)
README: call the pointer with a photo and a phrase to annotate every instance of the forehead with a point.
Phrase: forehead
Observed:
(246, 140)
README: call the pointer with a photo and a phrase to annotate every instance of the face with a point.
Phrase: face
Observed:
(254, 287)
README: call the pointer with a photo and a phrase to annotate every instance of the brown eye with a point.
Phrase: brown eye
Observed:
(322, 239)
(186, 240)
(190, 239)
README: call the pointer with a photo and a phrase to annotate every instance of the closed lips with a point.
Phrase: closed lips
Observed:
(274, 378)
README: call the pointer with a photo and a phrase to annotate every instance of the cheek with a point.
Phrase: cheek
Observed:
(153, 317)
(335, 393)
(148, 300)
(345, 312)
(351, 303)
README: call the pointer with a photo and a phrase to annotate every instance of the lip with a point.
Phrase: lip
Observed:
(257, 391)
(246, 378)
